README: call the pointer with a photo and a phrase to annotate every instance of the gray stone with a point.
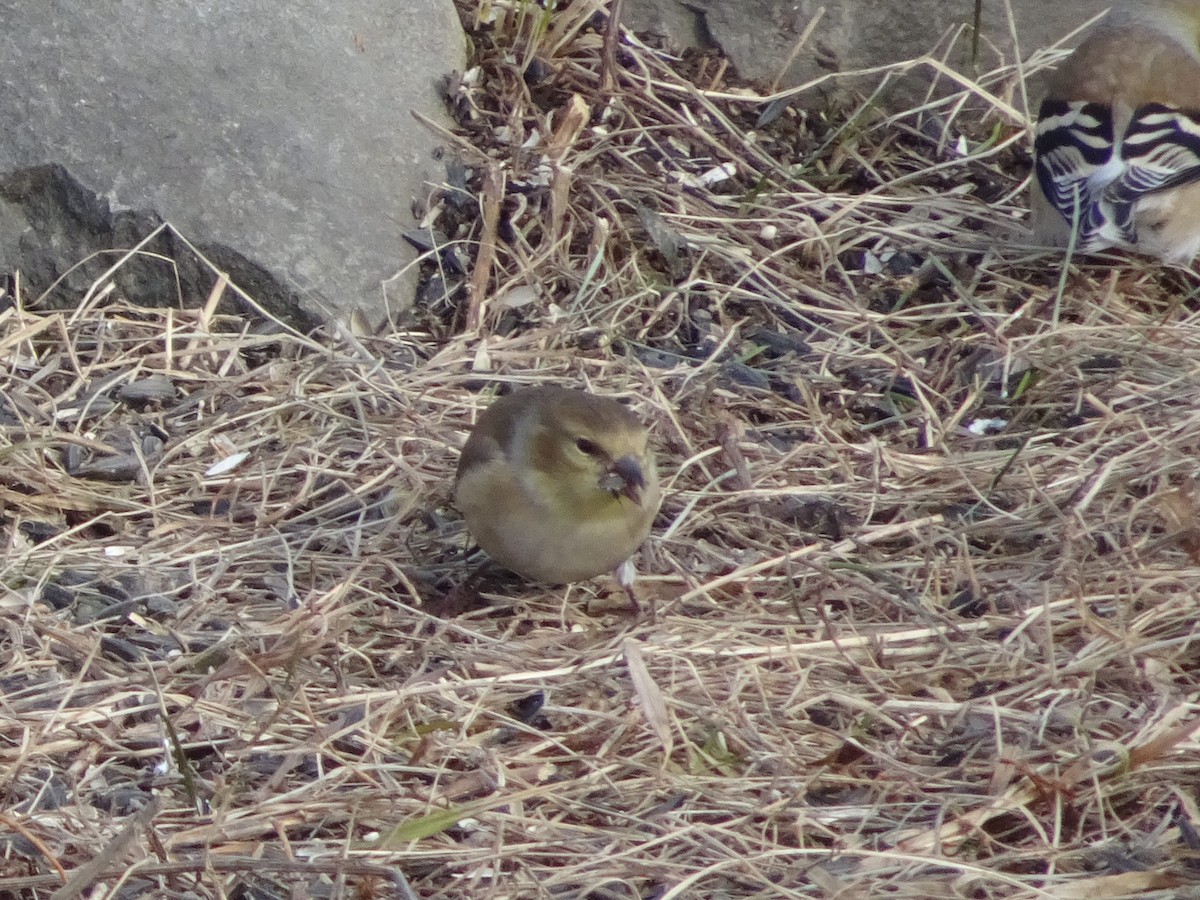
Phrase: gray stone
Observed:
(761, 35)
(278, 138)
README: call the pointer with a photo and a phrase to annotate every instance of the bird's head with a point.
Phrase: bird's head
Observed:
(595, 451)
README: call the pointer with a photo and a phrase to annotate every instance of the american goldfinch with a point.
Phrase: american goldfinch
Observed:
(558, 485)
(1117, 145)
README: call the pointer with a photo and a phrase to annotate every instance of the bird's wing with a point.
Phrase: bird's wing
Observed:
(1080, 163)
(479, 450)
(1160, 150)
(1073, 145)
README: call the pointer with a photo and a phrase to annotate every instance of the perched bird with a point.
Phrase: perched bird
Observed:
(558, 485)
(1117, 145)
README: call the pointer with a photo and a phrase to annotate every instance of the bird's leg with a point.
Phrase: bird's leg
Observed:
(625, 574)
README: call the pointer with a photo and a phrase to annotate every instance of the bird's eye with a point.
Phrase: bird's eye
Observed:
(591, 448)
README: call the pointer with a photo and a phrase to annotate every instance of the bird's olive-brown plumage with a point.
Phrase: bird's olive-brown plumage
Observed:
(558, 485)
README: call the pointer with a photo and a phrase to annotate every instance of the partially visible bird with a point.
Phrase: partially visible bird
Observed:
(558, 485)
(1117, 144)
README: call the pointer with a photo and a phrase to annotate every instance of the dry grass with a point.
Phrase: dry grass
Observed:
(893, 655)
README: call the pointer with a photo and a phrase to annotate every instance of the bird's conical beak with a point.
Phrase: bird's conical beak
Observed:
(625, 479)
